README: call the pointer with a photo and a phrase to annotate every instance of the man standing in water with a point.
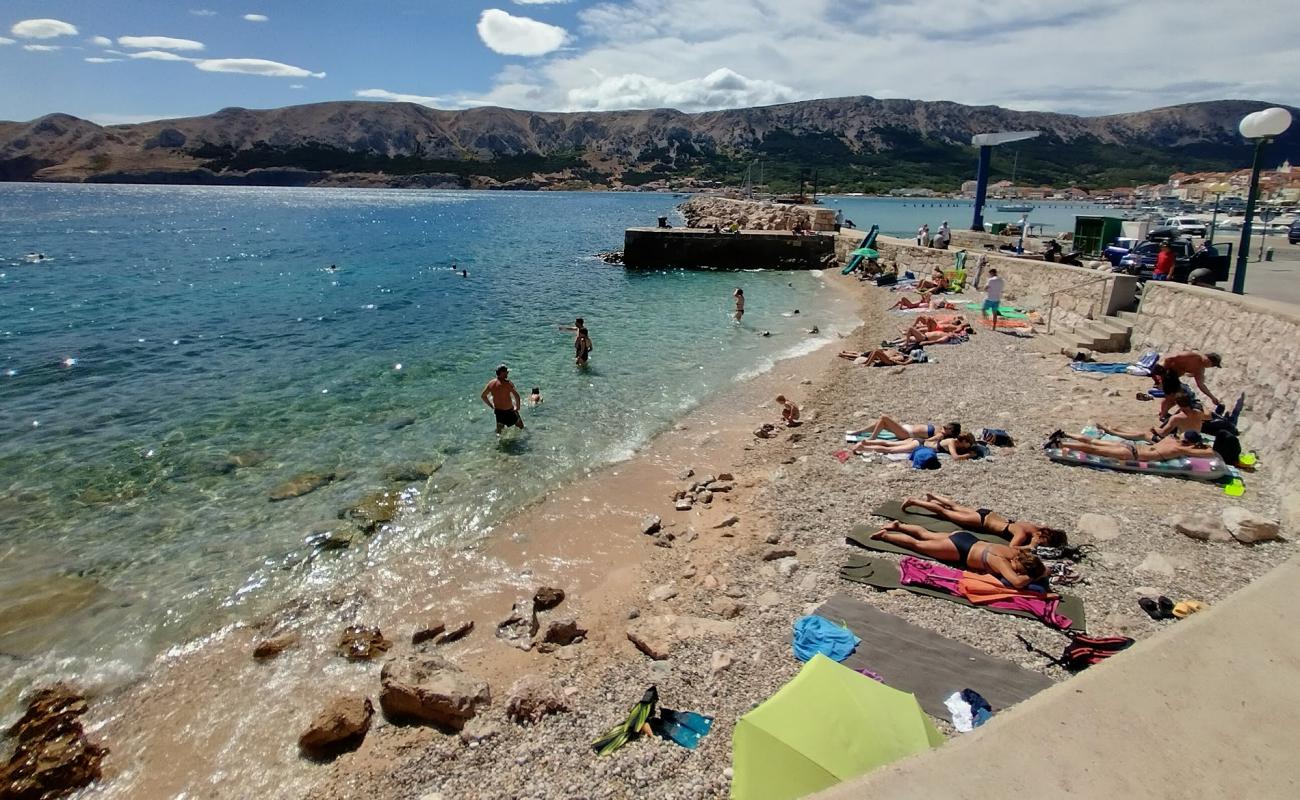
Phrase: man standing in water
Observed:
(739, 294)
(581, 341)
(501, 397)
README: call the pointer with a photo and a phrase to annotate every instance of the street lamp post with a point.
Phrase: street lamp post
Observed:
(1260, 127)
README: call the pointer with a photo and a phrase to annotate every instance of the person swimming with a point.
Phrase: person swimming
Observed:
(535, 398)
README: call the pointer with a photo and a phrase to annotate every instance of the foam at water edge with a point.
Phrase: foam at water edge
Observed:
(805, 347)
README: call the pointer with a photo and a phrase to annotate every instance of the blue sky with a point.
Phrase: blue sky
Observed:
(151, 59)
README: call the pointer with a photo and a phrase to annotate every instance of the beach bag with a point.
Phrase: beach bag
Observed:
(919, 356)
(925, 458)
(1083, 650)
(996, 437)
(888, 279)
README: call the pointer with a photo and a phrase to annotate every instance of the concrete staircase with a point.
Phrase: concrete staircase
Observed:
(1104, 335)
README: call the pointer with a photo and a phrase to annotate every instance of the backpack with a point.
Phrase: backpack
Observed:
(1228, 447)
(995, 436)
(925, 458)
(1083, 650)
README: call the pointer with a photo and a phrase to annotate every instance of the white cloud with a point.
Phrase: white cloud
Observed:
(398, 97)
(4, 40)
(722, 88)
(158, 55)
(41, 48)
(255, 66)
(99, 60)
(42, 29)
(158, 43)
(519, 36)
(126, 119)
(100, 41)
(540, 2)
(203, 12)
(256, 17)
(296, 86)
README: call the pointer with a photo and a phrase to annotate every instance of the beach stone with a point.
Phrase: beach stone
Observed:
(273, 646)
(786, 567)
(478, 730)
(455, 631)
(705, 496)
(769, 600)
(727, 609)
(704, 480)
(651, 525)
(1201, 527)
(1156, 564)
(373, 511)
(1249, 528)
(689, 572)
(726, 476)
(658, 636)
(773, 555)
(721, 487)
(662, 593)
(720, 660)
(430, 689)
(401, 422)
(337, 536)
(362, 643)
(734, 591)
(1291, 514)
(532, 698)
(341, 724)
(773, 538)
(521, 626)
(1098, 527)
(428, 633)
(563, 632)
(685, 474)
(684, 504)
(1147, 591)
(412, 473)
(299, 485)
(51, 755)
(728, 522)
(547, 597)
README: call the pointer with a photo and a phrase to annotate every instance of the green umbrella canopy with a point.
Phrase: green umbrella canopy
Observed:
(826, 725)
(865, 252)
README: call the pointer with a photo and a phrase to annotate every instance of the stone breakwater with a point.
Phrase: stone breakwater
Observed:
(752, 215)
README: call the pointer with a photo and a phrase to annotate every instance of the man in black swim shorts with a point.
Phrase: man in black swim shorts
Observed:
(500, 396)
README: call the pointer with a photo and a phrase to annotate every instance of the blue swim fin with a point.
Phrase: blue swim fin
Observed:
(685, 728)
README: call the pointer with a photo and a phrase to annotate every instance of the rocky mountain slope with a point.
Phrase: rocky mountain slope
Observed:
(854, 143)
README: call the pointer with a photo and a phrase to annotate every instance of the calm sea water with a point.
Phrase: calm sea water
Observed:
(183, 351)
(902, 216)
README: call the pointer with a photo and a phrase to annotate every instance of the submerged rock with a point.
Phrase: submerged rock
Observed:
(362, 643)
(52, 757)
(300, 485)
(430, 689)
(412, 473)
(521, 626)
(374, 510)
(273, 646)
(340, 726)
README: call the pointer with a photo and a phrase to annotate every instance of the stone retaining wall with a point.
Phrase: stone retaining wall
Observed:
(1258, 340)
(1028, 282)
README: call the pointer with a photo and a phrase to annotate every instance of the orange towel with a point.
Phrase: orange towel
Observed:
(981, 589)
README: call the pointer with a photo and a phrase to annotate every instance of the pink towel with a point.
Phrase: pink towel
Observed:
(913, 571)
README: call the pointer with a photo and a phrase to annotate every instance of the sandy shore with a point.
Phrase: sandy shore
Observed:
(791, 493)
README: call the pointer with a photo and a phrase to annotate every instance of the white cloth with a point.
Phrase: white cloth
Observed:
(962, 719)
(993, 289)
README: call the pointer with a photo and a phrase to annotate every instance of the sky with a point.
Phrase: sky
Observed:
(115, 61)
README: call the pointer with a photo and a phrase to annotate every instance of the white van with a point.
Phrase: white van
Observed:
(1188, 226)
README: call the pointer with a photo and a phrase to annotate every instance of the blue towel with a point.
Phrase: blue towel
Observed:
(1110, 369)
(814, 634)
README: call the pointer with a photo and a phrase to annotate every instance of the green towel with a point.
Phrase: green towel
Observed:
(1003, 311)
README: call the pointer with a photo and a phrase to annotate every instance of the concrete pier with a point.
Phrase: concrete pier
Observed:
(660, 248)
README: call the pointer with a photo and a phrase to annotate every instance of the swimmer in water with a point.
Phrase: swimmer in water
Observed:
(464, 273)
(535, 399)
(332, 268)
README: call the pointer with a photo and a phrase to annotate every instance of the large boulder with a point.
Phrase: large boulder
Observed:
(1249, 528)
(51, 755)
(341, 725)
(1201, 527)
(430, 689)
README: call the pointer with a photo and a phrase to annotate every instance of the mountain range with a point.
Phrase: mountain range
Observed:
(846, 144)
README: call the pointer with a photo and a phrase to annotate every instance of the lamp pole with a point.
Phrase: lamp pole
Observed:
(1214, 220)
(1261, 127)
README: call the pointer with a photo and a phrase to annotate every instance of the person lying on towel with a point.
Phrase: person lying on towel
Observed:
(886, 358)
(1016, 567)
(961, 447)
(932, 337)
(1189, 446)
(901, 430)
(1189, 416)
(1021, 533)
(926, 323)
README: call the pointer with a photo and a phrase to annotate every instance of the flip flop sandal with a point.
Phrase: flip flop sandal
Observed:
(1151, 607)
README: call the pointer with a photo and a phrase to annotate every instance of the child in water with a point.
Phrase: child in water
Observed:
(535, 399)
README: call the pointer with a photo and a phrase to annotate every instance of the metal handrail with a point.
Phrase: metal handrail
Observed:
(1101, 300)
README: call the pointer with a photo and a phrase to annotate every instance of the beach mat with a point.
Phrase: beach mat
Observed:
(894, 510)
(932, 667)
(861, 536)
(882, 574)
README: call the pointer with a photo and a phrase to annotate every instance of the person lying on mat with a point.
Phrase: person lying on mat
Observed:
(906, 302)
(933, 337)
(1190, 416)
(1189, 446)
(886, 358)
(926, 323)
(961, 447)
(1016, 567)
(921, 431)
(1022, 533)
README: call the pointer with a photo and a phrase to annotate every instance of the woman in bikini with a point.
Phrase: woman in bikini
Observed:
(922, 431)
(1021, 533)
(1014, 566)
(1169, 448)
(960, 447)
(883, 358)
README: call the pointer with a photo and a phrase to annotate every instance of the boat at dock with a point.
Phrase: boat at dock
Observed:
(1015, 208)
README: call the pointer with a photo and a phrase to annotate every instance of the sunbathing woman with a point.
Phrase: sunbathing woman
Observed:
(922, 431)
(906, 302)
(1014, 566)
(933, 337)
(1189, 446)
(961, 447)
(886, 358)
(936, 282)
(1022, 533)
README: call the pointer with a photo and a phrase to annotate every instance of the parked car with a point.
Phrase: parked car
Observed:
(1142, 261)
(1188, 226)
(1293, 233)
(1119, 248)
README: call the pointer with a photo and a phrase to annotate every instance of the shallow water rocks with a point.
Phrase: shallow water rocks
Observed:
(455, 631)
(531, 698)
(51, 757)
(300, 485)
(412, 473)
(373, 510)
(273, 646)
(362, 643)
(650, 525)
(1249, 528)
(547, 597)
(1156, 564)
(520, 627)
(1201, 527)
(338, 536)
(563, 632)
(430, 689)
(658, 636)
(1098, 527)
(428, 633)
(341, 725)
